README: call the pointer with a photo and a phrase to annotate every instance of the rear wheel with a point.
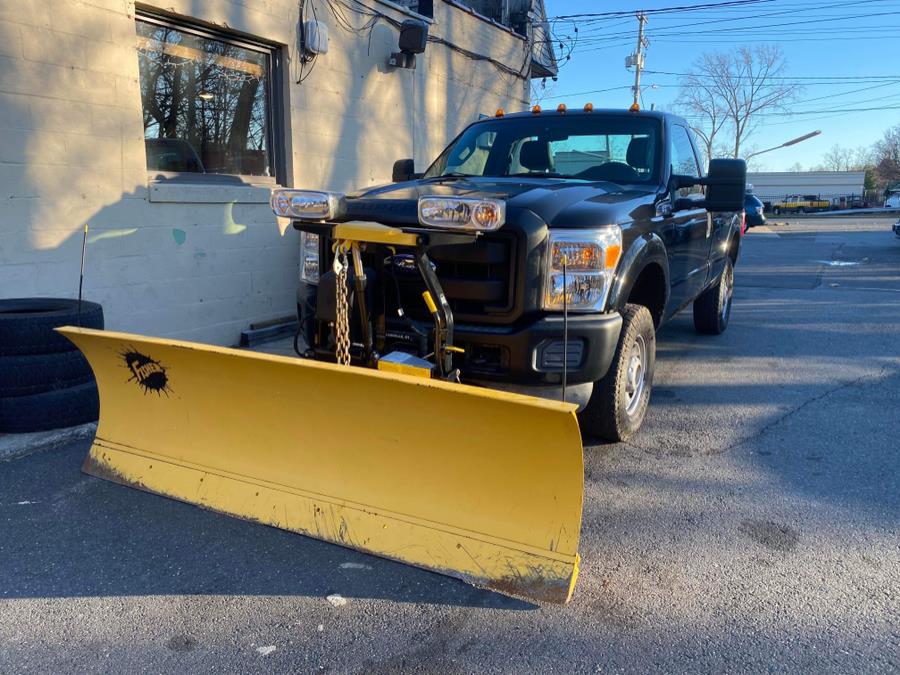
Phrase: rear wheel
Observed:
(619, 401)
(712, 308)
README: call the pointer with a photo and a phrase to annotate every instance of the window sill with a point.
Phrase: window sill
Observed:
(207, 190)
(406, 10)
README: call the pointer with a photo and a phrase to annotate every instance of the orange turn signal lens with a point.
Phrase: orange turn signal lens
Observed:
(613, 253)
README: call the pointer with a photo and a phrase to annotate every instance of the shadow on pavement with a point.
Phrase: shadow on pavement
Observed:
(67, 534)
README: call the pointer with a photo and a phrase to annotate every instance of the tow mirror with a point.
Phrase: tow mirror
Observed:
(678, 181)
(404, 169)
(726, 184)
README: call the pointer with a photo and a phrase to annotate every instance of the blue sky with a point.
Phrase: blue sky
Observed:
(844, 44)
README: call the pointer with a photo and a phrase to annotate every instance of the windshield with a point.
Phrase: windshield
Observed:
(622, 149)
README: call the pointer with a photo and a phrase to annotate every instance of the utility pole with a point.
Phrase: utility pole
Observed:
(637, 60)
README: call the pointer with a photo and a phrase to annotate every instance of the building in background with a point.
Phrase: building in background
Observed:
(842, 189)
(166, 125)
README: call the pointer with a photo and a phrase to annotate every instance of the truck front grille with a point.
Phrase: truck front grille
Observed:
(478, 279)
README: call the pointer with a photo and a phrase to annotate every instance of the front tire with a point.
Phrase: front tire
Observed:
(712, 308)
(619, 401)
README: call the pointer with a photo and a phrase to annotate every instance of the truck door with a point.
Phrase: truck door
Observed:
(688, 237)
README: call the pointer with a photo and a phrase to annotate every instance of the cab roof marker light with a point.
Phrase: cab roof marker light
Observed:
(536, 110)
(589, 107)
(309, 205)
(462, 213)
(561, 108)
(499, 113)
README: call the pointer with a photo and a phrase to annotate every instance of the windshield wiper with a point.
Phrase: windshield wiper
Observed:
(449, 176)
(529, 174)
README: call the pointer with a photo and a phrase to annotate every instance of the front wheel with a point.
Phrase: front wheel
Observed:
(712, 308)
(619, 401)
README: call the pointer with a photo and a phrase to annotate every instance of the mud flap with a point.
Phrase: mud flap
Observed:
(476, 484)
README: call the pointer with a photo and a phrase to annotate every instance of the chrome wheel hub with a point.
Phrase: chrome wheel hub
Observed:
(635, 375)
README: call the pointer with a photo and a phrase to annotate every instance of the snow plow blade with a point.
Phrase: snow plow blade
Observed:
(476, 484)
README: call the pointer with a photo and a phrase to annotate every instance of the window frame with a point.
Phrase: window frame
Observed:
(695, 189)
(274, 91)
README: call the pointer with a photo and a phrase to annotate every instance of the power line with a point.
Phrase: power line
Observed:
(761, 27)
(750, 17)
(677, 86)
(798, 78)
(661, 10)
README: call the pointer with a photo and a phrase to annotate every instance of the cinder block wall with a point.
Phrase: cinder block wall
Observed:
(191, 261)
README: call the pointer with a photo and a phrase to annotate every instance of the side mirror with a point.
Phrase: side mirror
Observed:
(726, 183)
(678, 181)
(404, 169)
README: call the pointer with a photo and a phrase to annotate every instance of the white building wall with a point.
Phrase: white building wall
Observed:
(192, 261)
(774, 185)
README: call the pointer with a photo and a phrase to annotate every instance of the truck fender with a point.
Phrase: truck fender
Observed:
(731, 240)
(734, 237)
(645, 250)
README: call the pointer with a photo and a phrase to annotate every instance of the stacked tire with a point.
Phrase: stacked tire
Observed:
(45, 382)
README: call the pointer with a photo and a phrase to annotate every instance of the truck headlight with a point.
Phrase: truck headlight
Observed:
(306, 204)
(309, 257)
(462, 213)
(590, 258)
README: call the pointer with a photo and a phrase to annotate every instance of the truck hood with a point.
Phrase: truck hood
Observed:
(557, 202)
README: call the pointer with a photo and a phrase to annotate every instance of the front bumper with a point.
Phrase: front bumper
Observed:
(532, 354)
(529, 354)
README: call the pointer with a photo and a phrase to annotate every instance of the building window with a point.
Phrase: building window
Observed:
(207, 100)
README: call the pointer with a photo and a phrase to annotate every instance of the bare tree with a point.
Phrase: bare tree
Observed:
(796, 167)
(887, 157)
(839, 158)
(864, 158)
(742, 85)
(699, 99)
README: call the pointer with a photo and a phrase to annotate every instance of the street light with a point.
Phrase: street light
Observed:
(793, 141)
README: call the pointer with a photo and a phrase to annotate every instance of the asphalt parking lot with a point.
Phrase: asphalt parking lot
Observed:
(753, 525)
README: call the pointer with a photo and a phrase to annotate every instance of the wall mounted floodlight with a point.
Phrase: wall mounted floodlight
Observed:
(413, 39)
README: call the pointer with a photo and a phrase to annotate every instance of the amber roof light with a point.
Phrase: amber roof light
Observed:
(499, 113)
(561, 108)
(536, 109)
(588, 107)
(634, 108)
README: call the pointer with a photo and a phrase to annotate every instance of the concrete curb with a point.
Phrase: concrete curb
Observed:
(13, 446)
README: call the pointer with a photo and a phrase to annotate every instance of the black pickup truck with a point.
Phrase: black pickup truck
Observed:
(593, 228)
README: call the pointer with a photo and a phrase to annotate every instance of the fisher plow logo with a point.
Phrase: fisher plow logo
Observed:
(149, 374)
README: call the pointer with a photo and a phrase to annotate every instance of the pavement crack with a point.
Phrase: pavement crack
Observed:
(808, 402)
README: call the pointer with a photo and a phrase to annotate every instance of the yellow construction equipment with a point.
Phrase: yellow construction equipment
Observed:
(477, 484)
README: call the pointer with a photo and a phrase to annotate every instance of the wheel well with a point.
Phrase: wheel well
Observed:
(734, 247)
(649, 290)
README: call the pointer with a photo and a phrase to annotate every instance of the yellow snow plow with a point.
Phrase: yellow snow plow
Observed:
(477, 484)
